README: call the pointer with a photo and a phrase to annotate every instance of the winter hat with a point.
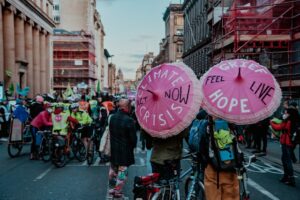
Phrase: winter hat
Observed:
(39, 99)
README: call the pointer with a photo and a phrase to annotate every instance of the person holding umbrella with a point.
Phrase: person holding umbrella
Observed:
(241, 92)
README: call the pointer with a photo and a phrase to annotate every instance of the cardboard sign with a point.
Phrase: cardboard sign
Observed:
(16, 131)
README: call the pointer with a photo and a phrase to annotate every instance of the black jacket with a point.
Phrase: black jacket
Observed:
(122, 139)
(35, 109)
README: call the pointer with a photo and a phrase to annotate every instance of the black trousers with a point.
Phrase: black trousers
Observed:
(167, 171)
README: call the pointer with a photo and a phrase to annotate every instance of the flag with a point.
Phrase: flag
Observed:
(23, 92)
(98, 87)
(68, 92)
(8, 73)
(11, 89)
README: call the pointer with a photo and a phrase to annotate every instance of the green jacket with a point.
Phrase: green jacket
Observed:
(60, 122)
(82, 117)
(168, 149)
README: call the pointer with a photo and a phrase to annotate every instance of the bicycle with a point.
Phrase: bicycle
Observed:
(60, 149)
(150, 187)
(194, 187)
(77, 145)
(92, 145)
(45, 146)
(242, 178)
(18, 138)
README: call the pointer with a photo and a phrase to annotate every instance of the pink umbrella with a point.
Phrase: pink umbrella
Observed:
(167, 99)
(240, 91)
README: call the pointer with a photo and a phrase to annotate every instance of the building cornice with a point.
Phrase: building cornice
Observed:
(31, 22)
(50, 1)
(34, 13)
(22, 16)
(12, 9)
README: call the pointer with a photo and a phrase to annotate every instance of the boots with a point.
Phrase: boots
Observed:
(290, 181)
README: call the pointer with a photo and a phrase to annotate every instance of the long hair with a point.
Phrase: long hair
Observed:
(293, 118)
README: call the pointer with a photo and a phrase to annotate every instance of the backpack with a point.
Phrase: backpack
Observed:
(197, 134)
(224, 153)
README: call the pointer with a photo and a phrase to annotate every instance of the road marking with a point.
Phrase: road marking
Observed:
(261, 189)
(84, 163)
(43, 174)
(96, 161)
(76, 165)
(142, 161)
(186, 150)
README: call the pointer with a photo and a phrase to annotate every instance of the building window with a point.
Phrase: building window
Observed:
(179, 32)
(179, 20)
(57, 19)
(47, 8)
(179, 48)
(56, 7)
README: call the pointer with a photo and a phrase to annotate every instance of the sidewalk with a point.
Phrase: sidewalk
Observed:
(274, 154)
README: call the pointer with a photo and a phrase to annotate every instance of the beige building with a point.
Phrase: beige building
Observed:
(171, 47)
(74, 17)
(147, 63)
(111, 78)
(25, 29)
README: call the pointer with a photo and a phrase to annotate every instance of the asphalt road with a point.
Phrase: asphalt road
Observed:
(21, 178)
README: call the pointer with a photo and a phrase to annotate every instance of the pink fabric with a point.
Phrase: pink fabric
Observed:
(43, 119)
(167, 99)
(240, 91)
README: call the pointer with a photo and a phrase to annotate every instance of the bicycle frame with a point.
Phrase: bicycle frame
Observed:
(242, 178)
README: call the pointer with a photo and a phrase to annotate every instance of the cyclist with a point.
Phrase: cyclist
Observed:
(84, 120)
(42, 120)
(37, 106)
(166, 154)
(84, 105)
(61, 123)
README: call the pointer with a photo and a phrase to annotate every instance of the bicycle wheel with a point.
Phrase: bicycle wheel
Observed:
(14, 149)
(194, 192)
(45, 150)
(79, 150)
(165, 193)
(90, 152)
(59, 158)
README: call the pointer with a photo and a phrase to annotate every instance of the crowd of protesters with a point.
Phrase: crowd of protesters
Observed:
(124, 125)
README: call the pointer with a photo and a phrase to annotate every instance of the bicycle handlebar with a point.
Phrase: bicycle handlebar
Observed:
(251, 159)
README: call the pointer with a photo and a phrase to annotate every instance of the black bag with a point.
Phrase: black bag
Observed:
(295, 137)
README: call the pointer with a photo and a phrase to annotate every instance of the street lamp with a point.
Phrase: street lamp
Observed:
(111, 56)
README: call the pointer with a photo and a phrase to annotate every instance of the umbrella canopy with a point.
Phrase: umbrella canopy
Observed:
(240, 91)
(167, 99)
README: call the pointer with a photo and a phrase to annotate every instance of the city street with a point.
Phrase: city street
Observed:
(21, 178)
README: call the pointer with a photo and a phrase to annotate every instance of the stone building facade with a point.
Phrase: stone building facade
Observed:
(197, 36)
(111, 78)
(25, 49)
(171, 47)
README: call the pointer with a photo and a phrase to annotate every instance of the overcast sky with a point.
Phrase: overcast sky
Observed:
(133, 28)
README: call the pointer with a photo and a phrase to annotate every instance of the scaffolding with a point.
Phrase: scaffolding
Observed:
(267, 31)
(74, 60)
